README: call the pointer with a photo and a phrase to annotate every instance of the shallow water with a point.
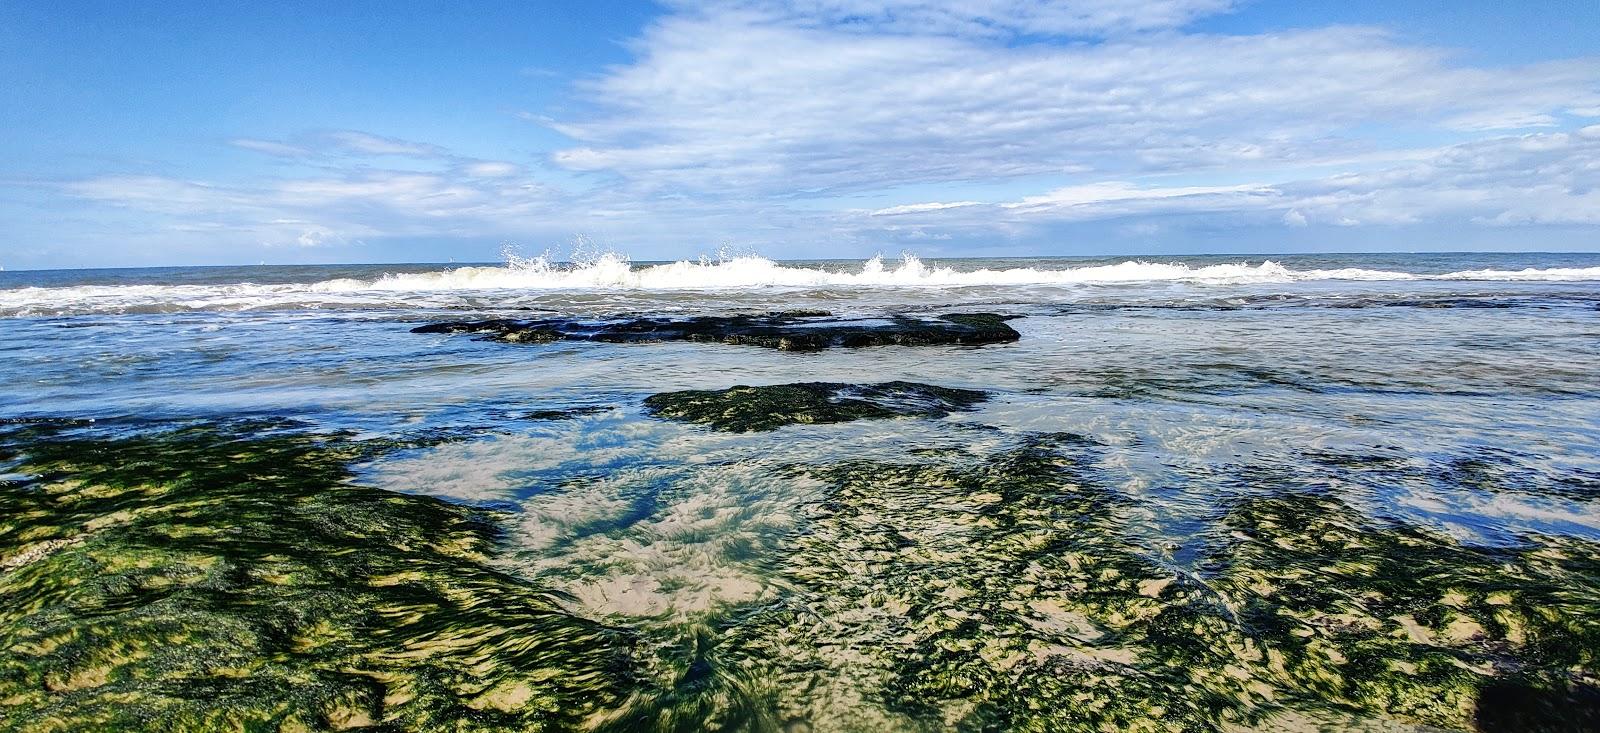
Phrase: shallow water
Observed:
(1457, 393)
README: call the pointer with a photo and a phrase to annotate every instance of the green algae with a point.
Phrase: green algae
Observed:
(1390, 618)
(745, 409)
(1009, 594)
(230, 578)
(224, 579)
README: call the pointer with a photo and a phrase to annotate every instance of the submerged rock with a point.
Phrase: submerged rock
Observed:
(570, 413)
(788, 331)
(744, 409)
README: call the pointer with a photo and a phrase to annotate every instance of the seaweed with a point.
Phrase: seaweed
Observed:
(745, 409)
(1010, 594)
(227, 577)
(222, 578)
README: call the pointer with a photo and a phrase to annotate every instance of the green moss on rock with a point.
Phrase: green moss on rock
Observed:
(217, 579)
(1396, 619)
(745, 409)
(1010, 594)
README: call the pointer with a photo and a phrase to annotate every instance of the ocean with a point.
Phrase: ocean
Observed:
(1194, 492)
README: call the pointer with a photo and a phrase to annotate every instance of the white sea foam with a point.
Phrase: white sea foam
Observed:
(1556, 274)
(613, 272)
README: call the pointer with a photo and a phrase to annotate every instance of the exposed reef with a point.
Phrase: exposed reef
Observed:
(229, 579)
(788, 331)
(745, 409)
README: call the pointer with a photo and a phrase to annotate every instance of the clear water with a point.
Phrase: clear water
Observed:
(1185, 362)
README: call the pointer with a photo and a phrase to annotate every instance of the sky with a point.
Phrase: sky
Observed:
(192, 133)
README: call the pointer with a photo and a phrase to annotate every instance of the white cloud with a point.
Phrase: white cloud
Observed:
(744, 120)
(1535, 179)
(754, 98)
(1500, 120)
(1544, 178)
(1094, 194)
(160, 195)
(1509, 181)
(354, 142)
(919, 208)
(271, 147)
(314, 237)
(492, 169)
(335, 208)
(340, 142)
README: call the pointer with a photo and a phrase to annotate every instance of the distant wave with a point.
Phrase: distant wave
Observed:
(613, 272)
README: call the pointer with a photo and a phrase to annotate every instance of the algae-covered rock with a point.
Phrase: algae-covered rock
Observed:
(745, 409)
(1010, 594)
(217, 579)
(788, 331)
(1391, 618)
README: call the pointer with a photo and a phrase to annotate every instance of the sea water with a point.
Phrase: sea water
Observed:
(1457, 393)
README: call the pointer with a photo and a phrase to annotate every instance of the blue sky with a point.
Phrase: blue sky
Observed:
(162, 133)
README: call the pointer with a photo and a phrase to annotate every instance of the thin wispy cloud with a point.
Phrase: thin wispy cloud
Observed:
(1533, 179)
(341, 142)
(740, 101)
(328, 209)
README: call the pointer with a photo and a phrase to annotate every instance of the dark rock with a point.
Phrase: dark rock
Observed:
(569, 413)
(789, 331)
(1514, 704)
(744, 409)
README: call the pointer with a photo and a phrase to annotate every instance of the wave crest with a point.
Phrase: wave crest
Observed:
(615, 272)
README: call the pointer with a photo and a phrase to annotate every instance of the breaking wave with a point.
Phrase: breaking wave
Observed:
(613, 272)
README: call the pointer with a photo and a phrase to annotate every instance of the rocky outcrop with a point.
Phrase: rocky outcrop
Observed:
(788, 331)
